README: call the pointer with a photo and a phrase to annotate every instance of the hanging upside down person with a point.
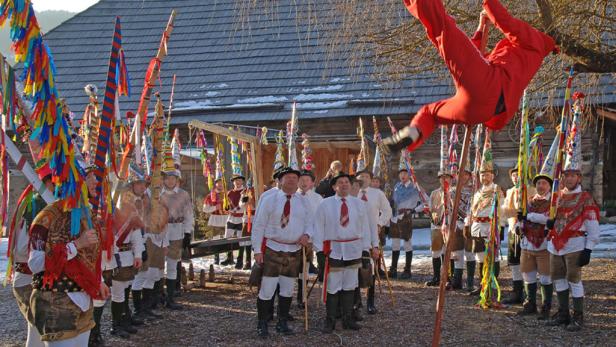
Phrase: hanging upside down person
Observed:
(488, 88)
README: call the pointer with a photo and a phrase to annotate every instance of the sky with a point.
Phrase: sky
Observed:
(66, 5)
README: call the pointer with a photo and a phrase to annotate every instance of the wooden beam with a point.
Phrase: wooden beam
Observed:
(606, 114)
(217, 129)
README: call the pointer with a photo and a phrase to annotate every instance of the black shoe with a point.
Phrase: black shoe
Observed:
(559, 318)
(517, 295)
(356, 315)
(577, 322)
(312, 269)
(247, 266)
(399, 140)
(528, 308)
(117, 316)
(370, 301)
(95, 340)
(456, 283)
(371, 309)
(406, 275)
(127, 326)
(393, 274)
(262, 329)
(544, 314)
(475, 292)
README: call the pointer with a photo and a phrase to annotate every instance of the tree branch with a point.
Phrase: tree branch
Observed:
(587, 59)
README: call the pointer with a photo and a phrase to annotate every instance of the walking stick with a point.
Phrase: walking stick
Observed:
(316, 279)
(304, 296)
(389, 286)
(377, 267)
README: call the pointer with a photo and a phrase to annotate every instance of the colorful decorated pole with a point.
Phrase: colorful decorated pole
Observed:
(363, 157)
(489, 283)
(379, 166)
(561, 146)
(291, 135)
(151, 76)
(523, 152)
(535, 158)
(107, 120)
(236, 163)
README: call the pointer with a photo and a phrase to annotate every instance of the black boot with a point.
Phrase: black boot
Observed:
(477, 290)
(156, 295)
(370, 301)
(436, 273)
(229, 260)
(147, 301)
(530, 304)
(138, 304)
(284, 304)
(356, 315)
(348, 297)
(470, 275)
(132, 319)
(407, 266)
(248, 264)
(456, 283)
(577, 319)
(170, 301)
(240, 259)
(178, 281)
(264, 308)
(393, 269)
(96, 338)
(516, 295)
(117, 309)
(561, 317)
(125, 320)
(331, 307)
(217, 259)
(300, 294)
(546, 301)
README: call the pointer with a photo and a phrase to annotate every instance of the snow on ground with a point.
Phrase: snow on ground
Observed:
(421, 247)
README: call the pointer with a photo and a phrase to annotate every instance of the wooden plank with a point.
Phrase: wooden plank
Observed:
(606, 114)
(217, 129)
(210, 247)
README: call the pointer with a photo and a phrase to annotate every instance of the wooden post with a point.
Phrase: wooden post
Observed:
(191, 272)
(211, 276)
(304, 293)
(202, 278)
(436, 336)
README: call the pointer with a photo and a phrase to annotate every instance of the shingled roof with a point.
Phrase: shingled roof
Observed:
(224, 74)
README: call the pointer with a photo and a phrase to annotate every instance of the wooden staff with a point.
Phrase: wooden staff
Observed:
(389, 286)
(304, 287)
(377, 267)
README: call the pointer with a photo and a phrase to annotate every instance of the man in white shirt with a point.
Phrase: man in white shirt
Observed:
(281, 227)
(574, 234)
(341, 229)
(306, 190)
(380, 213)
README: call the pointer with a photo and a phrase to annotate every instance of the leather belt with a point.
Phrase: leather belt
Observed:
(482, 219)
(175, 220)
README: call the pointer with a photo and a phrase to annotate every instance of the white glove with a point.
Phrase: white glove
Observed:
(419, 208)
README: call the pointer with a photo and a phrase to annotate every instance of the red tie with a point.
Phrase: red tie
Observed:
(344, 213)
(284, 220)
(364, 197)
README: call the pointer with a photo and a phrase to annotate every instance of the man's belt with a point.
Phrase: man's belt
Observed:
(175, 220)
(482, 219)
(264, 243)
(327, 249)
(125, 247)
(63, 284)
(239, 215)
(22, 268)
(404, 210)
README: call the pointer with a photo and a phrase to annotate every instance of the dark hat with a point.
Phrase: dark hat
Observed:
(341, 174)
(236, 177)
(545, 177)
(276, 172)
(403, 169)
(307, 173)
(287, 170)
(512, 170)
(366, 171)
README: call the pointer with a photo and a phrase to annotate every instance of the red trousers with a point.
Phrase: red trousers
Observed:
(479, 80)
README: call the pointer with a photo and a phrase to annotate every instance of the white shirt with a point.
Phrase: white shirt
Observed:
(327, 227)
(379, 212)
(20, 255)
(267, 222)
(313, 200)
(36, 262)
(266, 193)
(575, 244)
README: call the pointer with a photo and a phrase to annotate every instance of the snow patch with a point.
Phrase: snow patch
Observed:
(339, 79)
(323, 88)
(322, 96)
(210, 94)
(262, 99)
(191, 104)
(319, 105)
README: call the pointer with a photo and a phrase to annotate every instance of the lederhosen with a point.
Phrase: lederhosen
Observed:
(279, 263)
(337, 264)
(403, 227)
(54, 314)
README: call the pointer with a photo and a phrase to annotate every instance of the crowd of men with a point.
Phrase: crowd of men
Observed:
(344, 219)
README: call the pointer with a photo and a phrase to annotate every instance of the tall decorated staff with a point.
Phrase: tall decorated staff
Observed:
(157, 220)
(263, 133)
(279, 161)
(363, 157)
(291, 135)
(90, 121)
(151, 77)
(220, 168)
(523, 163)
(535, 158)
(477, 163)
(205, 159)
(50, 129)
(379, 166)
(452, 153)
(561, 146)
(307, 160)
(236, 162)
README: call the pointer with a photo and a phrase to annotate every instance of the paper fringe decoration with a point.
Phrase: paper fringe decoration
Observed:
(236, 163)
(279, 161)
(363, 156)
(535, 160)
(264, 136)
(50, 128)
(524, 149)
(307, 161)
(490, 289)
(291, 136)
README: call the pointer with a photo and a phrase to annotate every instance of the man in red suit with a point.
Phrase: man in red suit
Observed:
(488, 88)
